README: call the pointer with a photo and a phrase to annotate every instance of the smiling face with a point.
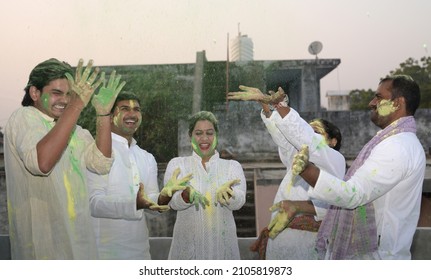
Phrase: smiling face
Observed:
(126, 118)
(52, 99)
(204, 139)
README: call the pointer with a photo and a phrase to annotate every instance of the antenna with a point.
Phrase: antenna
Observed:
(315, 47)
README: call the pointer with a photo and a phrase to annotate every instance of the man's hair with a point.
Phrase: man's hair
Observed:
(125, 95)
(43, 74)
(405, 86)
(201, 116)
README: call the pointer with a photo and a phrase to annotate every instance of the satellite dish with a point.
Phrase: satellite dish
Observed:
(315, 47)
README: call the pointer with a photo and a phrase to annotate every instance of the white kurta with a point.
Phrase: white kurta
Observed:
(208, 233)
(391, 178)
(121, 230)
(49, 215)
(289, 133)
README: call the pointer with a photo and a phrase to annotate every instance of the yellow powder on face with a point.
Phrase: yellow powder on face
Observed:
(386, 107)
(116, 117)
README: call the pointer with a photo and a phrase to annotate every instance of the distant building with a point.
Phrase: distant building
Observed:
(241, 48)
(338, 100)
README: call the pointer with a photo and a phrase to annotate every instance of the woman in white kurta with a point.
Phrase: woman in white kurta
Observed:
(292, 234)
(289, 133)
(205, 227)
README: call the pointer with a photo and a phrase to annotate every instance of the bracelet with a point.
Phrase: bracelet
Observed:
(105, 115)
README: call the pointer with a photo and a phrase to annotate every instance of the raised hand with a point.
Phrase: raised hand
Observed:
(144, 202)
(85, 82)
(246, 94)
(225, 192)
(254, 94)
(174, 184)
(105, 98)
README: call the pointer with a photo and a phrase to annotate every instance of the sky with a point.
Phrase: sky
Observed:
(370, 37)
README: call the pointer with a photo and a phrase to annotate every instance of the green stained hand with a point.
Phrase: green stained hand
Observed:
(174, 184)
(197, 198)
(281, 220)
(225, 192)
(105, 98)
(84, 83)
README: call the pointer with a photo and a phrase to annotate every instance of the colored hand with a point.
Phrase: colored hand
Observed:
(85, 84)
(225, 192)
(105, 98)
(280, 99)
(254, 94)
(174, 184)
(300, 161)
(144, 202)
(286, 213)
(197, 198)
(246, 94)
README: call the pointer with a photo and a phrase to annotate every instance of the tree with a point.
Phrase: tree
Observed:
(164, 98)
(420, 71)
(359, 99)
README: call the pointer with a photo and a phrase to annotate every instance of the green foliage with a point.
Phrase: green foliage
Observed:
(164, 98)
(420, 71)
(359, 99)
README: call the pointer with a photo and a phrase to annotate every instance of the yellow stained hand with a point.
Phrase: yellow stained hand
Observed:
(281, 220)
(174, 184)
(144, 202)
(254, 94)
(225, 192)
(105, 98)
(300, 160)
(246, 94)
(84, 83)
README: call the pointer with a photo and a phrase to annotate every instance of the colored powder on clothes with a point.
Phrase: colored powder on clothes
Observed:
(73, 143)
(362, 213)
(70, 201)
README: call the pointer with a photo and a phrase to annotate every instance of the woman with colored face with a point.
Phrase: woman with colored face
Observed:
(205, 227)
(296, 217)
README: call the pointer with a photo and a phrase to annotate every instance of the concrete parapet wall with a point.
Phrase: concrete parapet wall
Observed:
(242, 129)
(159, 246)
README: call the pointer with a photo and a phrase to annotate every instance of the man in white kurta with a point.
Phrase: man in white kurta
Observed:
(46, 155)
(289, 133)
(121, 229)
(383, 181)
(206, 233)
(118, 200)
(376, 207)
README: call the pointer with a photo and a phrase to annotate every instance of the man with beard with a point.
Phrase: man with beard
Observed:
(118, 200)
(376, 207)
